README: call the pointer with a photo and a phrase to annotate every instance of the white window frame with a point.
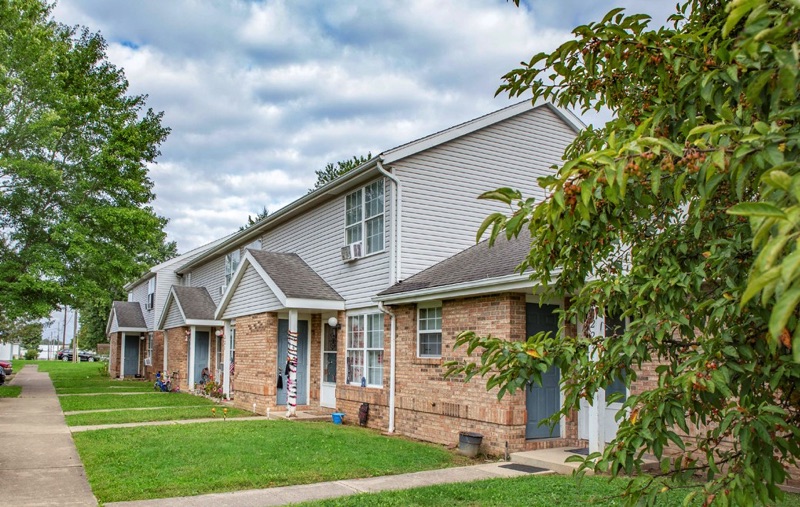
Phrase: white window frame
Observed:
(231, 265)
(362, 221)
(426, 308)
(151, 293)
(232, 352)
(150, 345)
(367, 320)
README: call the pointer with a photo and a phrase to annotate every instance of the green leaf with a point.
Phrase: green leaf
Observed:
(757, 209)
(784, 307)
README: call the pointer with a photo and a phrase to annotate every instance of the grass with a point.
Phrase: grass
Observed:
(529, 491)
(85, 377)
(170, 414)
(194, 459)
(145, 400)
(7, 391)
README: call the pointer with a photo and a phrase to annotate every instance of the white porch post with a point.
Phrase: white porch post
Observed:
(291, 387)
(122, 356)
(596, 410)
(166, 354)
(226, 361)
(190, 378)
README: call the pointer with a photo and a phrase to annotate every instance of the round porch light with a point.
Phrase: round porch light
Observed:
(332, 322)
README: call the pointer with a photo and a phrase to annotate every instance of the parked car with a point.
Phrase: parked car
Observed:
(2, 376)
(7, 367)
(66, 355)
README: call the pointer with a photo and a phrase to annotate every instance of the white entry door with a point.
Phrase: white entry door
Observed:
(327, 395)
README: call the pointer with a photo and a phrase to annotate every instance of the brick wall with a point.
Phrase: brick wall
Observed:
(115, 343)
(256, 362)
(432, 408)
(158, 355)
(178, 356)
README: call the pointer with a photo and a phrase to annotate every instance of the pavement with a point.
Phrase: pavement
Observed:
(44, 468)
(41, 465)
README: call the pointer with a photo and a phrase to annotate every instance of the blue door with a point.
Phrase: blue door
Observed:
(542, 401)
(131, 366)
(201, 348)
(302, 361)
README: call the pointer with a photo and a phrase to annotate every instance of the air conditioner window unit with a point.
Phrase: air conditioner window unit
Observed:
(148, 361)
(351, 252)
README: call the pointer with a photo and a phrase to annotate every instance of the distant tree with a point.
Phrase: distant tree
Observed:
(680, 215)
(333, 171)
(252, 221)
(27, 333)
(75, 196)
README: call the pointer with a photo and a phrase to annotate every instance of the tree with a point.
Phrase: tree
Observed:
(75, 214)
(333, 171)
(675, 215)
(252, 221)
(24, 332)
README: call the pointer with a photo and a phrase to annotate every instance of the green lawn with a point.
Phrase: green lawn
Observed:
(134, 463)
(528, 491)
(7, 391)
(74, 378)
(145, 400)
(170, 414)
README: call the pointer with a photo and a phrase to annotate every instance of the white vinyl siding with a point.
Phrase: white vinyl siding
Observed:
(114, 327)
(174, 318)
(316, 236)
(252, 296)
(441, 212)
(211, 275)
(140, 296)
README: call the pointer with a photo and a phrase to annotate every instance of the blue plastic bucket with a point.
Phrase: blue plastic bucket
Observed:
(337, 417)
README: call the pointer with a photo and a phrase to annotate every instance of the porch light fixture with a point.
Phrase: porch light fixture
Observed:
(332, 322)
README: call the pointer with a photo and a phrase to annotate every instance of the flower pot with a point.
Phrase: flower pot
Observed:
(337, 417)
(469, 443)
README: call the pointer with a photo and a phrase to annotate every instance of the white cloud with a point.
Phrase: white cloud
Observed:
(260, 94)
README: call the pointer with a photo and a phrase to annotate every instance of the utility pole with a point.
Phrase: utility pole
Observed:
(75, 357)
(64, 338)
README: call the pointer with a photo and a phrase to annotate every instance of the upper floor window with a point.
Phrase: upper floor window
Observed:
(151, 293)
(150, 345)
(231, 263)
(429, 332)
(365, 349)
(364, 217)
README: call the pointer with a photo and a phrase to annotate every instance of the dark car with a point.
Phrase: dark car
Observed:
(6, 367)
(66, 355)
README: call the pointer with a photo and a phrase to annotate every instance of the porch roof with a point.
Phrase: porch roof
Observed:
(471, 270)
(194, 304)
(126, 316)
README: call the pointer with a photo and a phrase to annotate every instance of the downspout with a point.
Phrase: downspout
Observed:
(392, 334)
(395, 273)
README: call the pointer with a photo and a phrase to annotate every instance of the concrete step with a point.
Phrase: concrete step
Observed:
(552, 459)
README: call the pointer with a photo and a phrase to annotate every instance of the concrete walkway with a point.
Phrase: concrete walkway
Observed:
(40, 464)
(319, 491)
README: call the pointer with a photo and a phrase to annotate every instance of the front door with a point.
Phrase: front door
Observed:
(302, 361)
(201, 349)
(131, 366)
(543, 401)
(327, 395)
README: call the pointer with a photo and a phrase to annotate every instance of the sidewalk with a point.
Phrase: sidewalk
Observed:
(41, 465)
(322, 490)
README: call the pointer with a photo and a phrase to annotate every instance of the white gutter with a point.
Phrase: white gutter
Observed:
(395, 273)
(392, 334)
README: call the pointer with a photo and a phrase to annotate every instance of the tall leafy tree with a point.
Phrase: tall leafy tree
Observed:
(681, 216)
(333, 171)
(252, 221)
(75, 214)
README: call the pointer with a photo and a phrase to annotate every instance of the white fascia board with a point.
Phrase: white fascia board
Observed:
(111, 316)
(269, 281)
(202, 322)
(492, 285)
(314, 304)
(164, 311)
(148, 275)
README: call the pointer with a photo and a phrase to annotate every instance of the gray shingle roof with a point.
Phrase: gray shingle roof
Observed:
(294, 277)
(129, 315)
(195, 302)
(476, 263)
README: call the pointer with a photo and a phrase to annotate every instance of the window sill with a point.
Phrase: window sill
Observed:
(366, 256)
(427, 360)
(358, 386)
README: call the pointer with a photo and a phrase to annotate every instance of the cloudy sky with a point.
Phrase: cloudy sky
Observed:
(260, 94)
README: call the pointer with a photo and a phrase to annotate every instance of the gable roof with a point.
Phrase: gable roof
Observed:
(470, 271)
(289, 278)
(127, 316)
(370, 169)
(194, 304)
